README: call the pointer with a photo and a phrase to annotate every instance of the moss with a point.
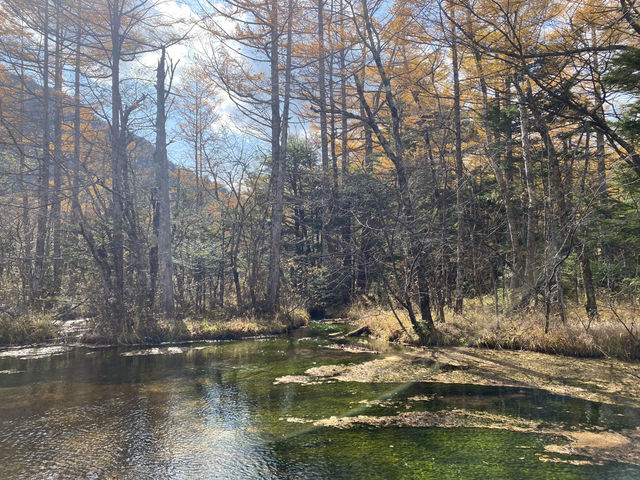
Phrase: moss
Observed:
(621, 446)
(604, 446)
(613, 382)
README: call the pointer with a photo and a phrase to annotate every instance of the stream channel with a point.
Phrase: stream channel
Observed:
(218, 410)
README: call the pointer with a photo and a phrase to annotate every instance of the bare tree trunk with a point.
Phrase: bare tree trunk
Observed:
(75, 186)
(425, 328)
(346, 204)
(602, 169)
(279, 138)
(324, 146)
(117, 174)
(58, 158)
(165, 257)
(43, 175)
(517, 279)
(558, 204)
(153, 248)
(530, 260)
(221, 275)
(503, 186)
(362, 274)
(333, 135)
(98, 253)
(591, 306)
(26, 263)
(496, 299)
(236, 275)
(277, 170)
(459, 175)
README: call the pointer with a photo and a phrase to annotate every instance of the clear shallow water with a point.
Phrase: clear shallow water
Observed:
(215, 413)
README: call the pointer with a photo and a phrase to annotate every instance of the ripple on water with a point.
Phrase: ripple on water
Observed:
(215, 412)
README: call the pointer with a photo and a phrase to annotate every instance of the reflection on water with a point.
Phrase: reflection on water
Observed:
(214, 412)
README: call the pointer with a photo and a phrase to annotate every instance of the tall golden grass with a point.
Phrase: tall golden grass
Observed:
(245, 326)
(614, 334)
(27, 329)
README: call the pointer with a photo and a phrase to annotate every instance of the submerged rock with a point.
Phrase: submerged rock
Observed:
(295, 420)
(598, 447)
(351, 348)
(606, 381)
(154, 351)
(300, 379)
(326, 370)
(388, 369)
(621, 446)
(24, 353)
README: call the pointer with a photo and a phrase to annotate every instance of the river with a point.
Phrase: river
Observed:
(223, 411)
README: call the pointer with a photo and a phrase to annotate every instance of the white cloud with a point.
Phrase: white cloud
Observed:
(198, 44)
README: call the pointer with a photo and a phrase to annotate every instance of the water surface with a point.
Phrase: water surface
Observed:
(214, 412)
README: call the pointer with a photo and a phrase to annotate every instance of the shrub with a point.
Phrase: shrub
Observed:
(246, 326)
(26, 329)
(610, 336)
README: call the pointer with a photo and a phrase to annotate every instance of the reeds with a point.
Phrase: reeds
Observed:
(613, 334)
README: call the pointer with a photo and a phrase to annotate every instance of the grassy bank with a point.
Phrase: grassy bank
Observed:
(615, 334)
(221, 325)
(210, 328)
(41, 328)
(27, 329)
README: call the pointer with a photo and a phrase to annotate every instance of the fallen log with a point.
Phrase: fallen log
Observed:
(358, 332)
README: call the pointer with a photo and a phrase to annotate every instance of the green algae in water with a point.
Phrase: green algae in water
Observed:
(426, 453)
(215, 412)
(327, 328)
(517, 402)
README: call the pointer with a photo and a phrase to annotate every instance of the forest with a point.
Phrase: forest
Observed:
(449, 165)
(320, 239)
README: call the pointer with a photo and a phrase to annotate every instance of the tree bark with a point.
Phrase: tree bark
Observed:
(503, 186)
(75, 186)
(324, 145)
(165, 256)
(58, 159)
(425, 328)
(557, 202)
(279, 138)
(530, 260)
(600, 156)
(459, 175)
(346, 203)
(117, 173)
(591, 305)
(43, 175)
(26, 268)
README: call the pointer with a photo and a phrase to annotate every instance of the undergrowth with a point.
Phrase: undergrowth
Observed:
(27, 329)
(245, 326)
(614, 334)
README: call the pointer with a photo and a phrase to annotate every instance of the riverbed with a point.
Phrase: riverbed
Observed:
(308, 406)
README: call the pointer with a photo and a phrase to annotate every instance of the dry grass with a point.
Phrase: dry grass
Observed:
(218, 325)
(383, 323)
(246, 326)
(27, 329)
(613, 335)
